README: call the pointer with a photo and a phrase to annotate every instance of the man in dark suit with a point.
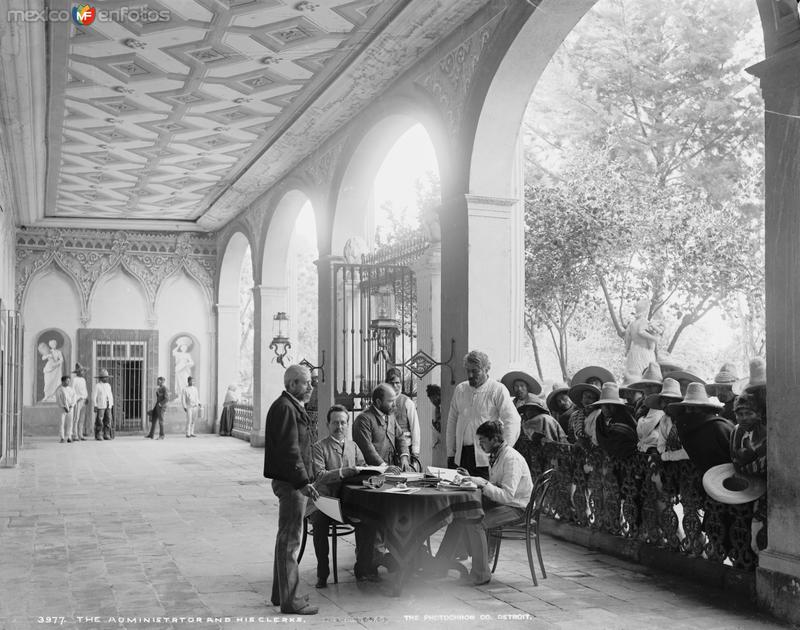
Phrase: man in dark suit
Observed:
(376, 433)
(287, 461)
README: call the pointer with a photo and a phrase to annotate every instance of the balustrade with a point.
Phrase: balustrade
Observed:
(661, 504)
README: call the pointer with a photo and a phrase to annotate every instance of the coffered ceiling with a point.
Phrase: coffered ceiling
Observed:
(151, 116)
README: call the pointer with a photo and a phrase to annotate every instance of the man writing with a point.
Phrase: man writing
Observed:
(475, 401)
(287, 461)
(504, 497)
(335, 458)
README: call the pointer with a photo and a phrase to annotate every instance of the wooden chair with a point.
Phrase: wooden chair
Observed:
(336, 530)
(527, 528)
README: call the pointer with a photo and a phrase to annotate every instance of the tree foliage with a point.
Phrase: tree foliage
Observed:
(644, 145)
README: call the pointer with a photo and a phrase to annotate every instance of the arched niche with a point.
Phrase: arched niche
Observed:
(185, 360)
(53, 352)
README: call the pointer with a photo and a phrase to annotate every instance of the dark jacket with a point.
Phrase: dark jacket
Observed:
(287, 449)
(379, 442)
(707, 442)
(617, 436)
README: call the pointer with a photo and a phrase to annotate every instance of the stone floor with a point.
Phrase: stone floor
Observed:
(119, 534)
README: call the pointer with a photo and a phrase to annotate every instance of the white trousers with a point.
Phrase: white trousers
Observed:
(191, 416)
(78, 425)
(66, 423)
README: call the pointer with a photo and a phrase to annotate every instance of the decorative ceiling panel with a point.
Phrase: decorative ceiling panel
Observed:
(154, 114)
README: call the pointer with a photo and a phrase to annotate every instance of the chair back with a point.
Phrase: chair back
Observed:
(540, 488)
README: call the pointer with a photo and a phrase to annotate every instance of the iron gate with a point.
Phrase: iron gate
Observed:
(126, 363)
(375, 327)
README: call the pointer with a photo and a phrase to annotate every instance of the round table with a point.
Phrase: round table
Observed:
(407, 519)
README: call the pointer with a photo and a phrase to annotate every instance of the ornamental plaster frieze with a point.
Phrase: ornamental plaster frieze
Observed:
(451, 78)
(88, 255)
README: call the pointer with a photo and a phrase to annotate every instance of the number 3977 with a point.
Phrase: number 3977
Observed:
(56, 620)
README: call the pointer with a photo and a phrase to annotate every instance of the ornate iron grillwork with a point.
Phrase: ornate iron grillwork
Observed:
(375, 327)
(661, 504)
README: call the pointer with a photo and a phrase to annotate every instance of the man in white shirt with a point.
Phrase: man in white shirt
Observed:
(103, 401)
(474, 402)
(82, 395)
(190, 398)
(504, 497)
(65, 399)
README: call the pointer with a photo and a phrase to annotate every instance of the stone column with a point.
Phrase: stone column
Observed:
(496, 279)
(227, 349)
(267, 372)
(326, 336)
(428, 274)
(778, 575)
(482, 282)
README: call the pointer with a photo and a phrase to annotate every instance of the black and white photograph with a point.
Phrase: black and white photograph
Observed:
(446, 314)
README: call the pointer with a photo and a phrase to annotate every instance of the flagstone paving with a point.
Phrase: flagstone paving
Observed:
(178, 533)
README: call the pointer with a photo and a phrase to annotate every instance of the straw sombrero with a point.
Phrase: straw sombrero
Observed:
(593, 371)
(696, 397)
(79, 369)
(103, 372)
(670, 392)
(609, 395)
(538, 406)
(685, 375)
(576, 391)
(758, 377)
(725, 378)
(534, 387)
(557, 389)
(651, 376)
(722, 483)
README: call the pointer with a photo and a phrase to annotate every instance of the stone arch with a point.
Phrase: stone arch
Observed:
(368, 146)
(233, 251)
(494, 164)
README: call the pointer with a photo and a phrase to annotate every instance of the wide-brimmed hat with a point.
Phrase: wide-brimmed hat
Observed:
(609, 395)
(689, 374)
(668, 364)
(758, 377)
(651, 376)
(103, 372)
(625, 387)
(593, 371)
(576, 391)
(534, 387)
(725, 379)
(722, 483)
(79, 369)
(533, 404)
(558, 388)
(696, 396)
(670, 392)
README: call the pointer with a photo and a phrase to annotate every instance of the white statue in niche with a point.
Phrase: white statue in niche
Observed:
(53, 368)
(183, 363)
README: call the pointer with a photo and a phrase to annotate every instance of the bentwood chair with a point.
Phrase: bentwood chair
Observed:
(527, 528)
(336, 530)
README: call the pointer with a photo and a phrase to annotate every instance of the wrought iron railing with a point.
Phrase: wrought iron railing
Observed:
(661, 504)
(242, 421)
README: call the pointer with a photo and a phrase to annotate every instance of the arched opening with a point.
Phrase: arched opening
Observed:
(387, 291)
(233, 333)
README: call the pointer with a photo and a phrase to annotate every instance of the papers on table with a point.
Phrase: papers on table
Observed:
(330, 507)
(377, 469)
(447, 474)
(405, 490)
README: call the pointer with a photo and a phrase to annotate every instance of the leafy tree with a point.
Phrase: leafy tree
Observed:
(647, 123)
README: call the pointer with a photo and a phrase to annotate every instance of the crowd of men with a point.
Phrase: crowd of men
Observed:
(669, 416)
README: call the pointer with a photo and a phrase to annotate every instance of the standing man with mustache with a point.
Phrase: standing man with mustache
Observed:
(475, 401)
